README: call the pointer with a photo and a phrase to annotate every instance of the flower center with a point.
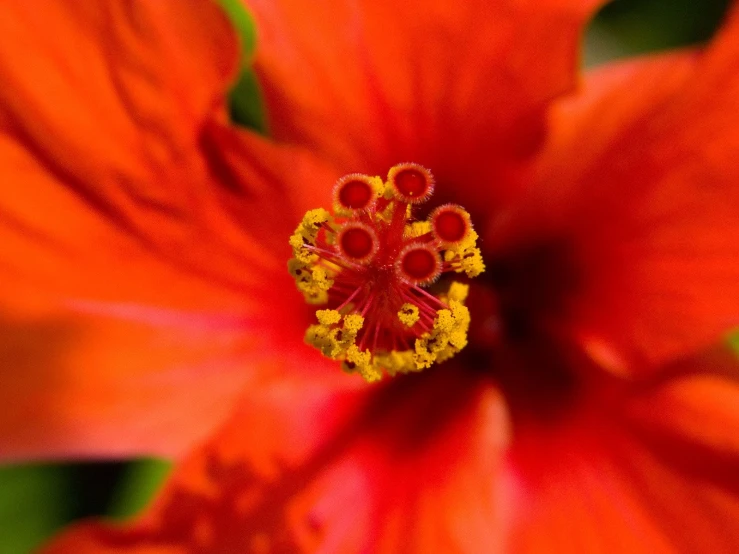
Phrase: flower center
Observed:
(369, 262)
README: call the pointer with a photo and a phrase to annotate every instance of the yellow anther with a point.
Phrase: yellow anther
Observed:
(295, 267)
(417, 228)
(378, 185)
(297, 241)
(458, 292)
(328, 317)
(325, 339)
(448, 336)
(320, 337)
(471, 262)
(306, 233)
(466, 257)
(408, 315)
(312, 222)
(361, 362)
(333, 341)
(387, 191)
(385, 215)
(470, 241)
(312, 281)
(395, 362)
(423, 358)
(353, 323)
(460, 325)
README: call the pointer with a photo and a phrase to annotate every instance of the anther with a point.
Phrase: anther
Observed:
(411, 183)
(450, 224)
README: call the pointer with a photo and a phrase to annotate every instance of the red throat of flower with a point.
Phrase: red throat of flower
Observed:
(369, 262)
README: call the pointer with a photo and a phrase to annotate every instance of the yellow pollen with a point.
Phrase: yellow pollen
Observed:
(312, 281)
(362, 363)
(328, 317)
(408, 315)
(458, 292)
(466, 257)
(448, 336)
(417, 229)
(395, 362)
(334, 341)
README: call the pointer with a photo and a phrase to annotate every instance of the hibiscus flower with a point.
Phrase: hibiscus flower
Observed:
(147, 307)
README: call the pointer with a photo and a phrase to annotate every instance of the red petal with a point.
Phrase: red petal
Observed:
(143, 238)
(640, 182)
(369, 84)
(101, 386)
(697, 408)
(130, 168)
(398, 469)
(655, 472)
(112, 372)
(131, 343)
(101, 116)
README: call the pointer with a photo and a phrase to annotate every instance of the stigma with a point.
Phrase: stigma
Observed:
(376, 270)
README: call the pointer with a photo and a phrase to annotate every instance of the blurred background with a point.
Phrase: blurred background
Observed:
(36, 500)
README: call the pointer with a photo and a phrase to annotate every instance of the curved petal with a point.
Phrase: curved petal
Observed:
(303, 468)
(107, 347)
(448, 85)
(112, 380)
(111, 354)
(101, 125)
(655, 472)
(639, 182)
(92, 386)
(144, 239)
(697, 409)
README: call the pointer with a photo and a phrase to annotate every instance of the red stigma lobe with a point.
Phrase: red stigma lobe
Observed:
(354, 194)
(357, 242)
(450, 223)
(419, 264)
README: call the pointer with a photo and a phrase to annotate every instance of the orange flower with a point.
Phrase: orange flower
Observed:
(145, 298)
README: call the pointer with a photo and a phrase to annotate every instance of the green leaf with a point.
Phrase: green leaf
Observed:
(625, 28)
(33, 505)
(141, 481)
(734, 341)
(245, 103)
(245, 99)
(243, 23)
